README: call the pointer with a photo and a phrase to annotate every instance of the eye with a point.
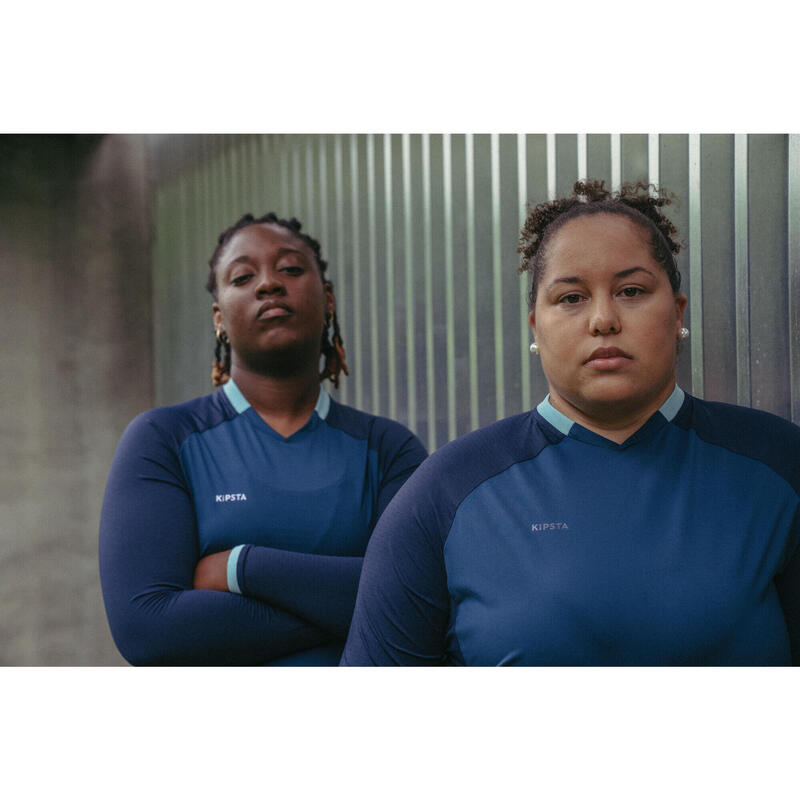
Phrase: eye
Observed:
(631, 291)
(292, 270)
(571, 299)
(239, 280)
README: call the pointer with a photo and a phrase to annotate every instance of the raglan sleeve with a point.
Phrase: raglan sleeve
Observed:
(322, 588)
(402, 607)
(148, 550)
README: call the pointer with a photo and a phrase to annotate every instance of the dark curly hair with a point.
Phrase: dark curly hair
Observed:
(331, 347)
(634, 200)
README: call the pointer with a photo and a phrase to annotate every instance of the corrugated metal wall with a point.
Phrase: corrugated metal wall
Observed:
(420, 232)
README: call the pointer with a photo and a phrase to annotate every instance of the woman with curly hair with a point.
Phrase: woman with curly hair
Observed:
(234, 525)
(621, 521)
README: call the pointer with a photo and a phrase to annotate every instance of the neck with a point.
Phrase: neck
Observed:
(284, 402)
(612, 421)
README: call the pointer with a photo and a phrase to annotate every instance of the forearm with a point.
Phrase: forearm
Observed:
(317, 588)
(148, 551)
(199, 627)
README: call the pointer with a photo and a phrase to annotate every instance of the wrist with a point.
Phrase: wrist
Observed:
(233, 564)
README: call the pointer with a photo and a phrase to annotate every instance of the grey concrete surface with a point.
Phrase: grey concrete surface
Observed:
(77, 343)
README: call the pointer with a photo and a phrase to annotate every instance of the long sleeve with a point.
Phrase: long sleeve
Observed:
(148, 550)
(318, 588)
(402, 609)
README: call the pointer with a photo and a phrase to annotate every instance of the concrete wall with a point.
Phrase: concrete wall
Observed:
(77, 343)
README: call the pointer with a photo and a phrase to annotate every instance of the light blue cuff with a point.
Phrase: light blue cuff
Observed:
(233, 563)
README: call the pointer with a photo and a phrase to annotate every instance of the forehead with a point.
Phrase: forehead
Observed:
(263, 239)
(597, 240)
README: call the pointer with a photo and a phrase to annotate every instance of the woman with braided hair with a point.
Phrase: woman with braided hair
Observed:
(234, 525)
(621, 521)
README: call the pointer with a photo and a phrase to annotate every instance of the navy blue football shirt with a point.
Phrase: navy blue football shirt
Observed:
(536, 541)
(209, 475)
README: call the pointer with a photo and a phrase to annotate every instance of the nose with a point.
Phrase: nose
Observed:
(269, 282)
(604, 318)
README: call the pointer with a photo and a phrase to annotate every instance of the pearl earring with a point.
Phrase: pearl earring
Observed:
(535, 349)
(683, 334)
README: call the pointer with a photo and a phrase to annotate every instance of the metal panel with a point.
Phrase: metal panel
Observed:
(742, 269)
(793, 257)
(696, 266)
(717, 214)
(355, 222)
(472, 300)
(769, 286)
(408, 242)
(427, 247)
(497, 281)
(447, 168)
(420, 234)
(525, 337)
(653, 160)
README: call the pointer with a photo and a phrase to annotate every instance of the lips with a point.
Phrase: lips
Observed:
(273, 310)
(607, 358)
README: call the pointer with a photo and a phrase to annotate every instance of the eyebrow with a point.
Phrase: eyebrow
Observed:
(624, 273)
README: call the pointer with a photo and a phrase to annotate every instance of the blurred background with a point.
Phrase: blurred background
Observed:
(104, 244)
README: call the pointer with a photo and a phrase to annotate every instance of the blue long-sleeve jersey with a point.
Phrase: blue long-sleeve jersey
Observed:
(209, 475)
(536, 541)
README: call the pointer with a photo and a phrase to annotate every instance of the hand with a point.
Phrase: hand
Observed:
(211, 572)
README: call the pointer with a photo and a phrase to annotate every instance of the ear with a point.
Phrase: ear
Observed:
(217, 316)
(680, 307)
(330, 298)
(532, 323)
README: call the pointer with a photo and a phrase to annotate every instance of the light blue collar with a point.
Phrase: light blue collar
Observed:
(239, 402)
(563, 424)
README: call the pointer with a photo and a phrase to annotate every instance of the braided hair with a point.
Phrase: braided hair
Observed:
(640, 202)
(331, 346)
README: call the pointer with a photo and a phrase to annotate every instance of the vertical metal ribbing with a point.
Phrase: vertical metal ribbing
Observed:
(357, 306)
(472, 303)
(372, 265)
(551, 166)
(157, 300)
(234, 177)
(582, 157)
(742, 268)
(258, 200)
(216, 193)
(616, 161)
(447, 169)
(283, 160)
(225, 183)
(497, 274)
(322, 189)
(338, 195)
(793, 263)
(196, 256)
(427, 240)
(522, 195)
(653, 161)
(310, 211)
(411, 363)
(390, 309)
(297, 184)
(696, 266)
(246, 175)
